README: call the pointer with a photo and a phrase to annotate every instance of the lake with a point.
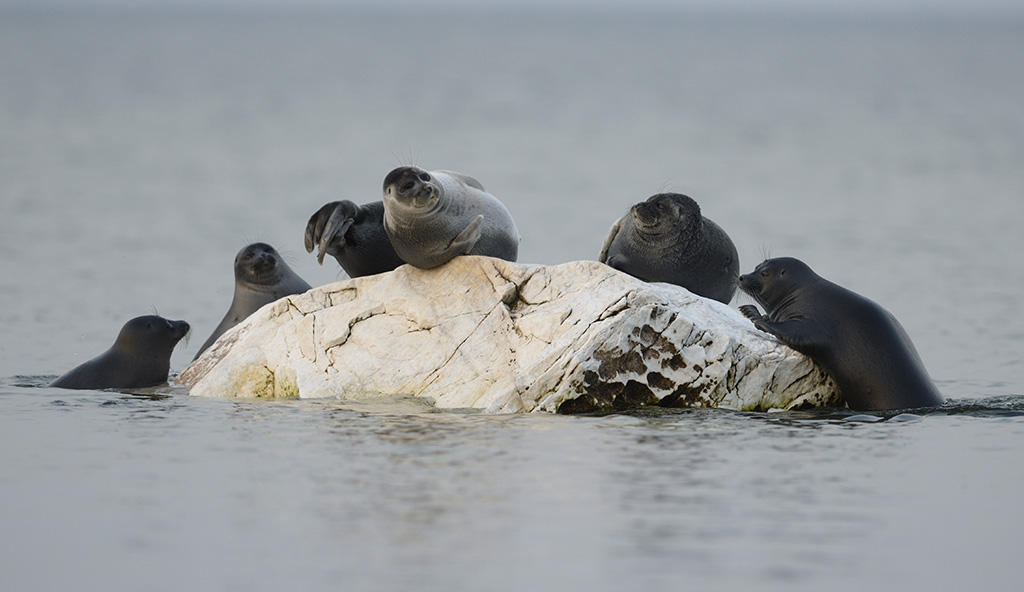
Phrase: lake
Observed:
(139, 151)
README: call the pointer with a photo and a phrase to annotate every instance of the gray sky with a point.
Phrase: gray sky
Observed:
(881, 7)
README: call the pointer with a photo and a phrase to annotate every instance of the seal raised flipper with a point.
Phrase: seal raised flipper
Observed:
(334, 231)
(354, 236)
(328, 226)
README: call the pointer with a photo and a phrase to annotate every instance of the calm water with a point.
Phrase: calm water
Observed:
(139, 153)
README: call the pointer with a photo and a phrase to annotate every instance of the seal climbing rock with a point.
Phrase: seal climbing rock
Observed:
(859, 343)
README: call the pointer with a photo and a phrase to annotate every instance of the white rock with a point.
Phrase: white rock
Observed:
(487, 334)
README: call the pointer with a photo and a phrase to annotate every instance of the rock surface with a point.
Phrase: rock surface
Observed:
(503, 337)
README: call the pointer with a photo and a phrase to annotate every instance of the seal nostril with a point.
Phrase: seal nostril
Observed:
(424, 177)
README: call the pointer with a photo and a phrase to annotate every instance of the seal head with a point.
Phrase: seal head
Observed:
(860, 344)
(433, 216)
(140, 357)
(667, 239)
(261, 277)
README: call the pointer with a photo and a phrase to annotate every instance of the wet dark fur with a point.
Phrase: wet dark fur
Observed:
(365, 248)
(859, 343)
(140, 357)
(666, 239)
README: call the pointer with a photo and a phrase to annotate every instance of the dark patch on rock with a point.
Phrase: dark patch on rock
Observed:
(613, 363)
(634, 394)
(660, 381)
(599, 396)
(652, 338)
(684, 396)
(583, 403)
(675, 362)
(601, 391)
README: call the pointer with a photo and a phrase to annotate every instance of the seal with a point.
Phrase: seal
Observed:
(140, 357)
(354, 235)
(859, 343)
(261, 277)
(666, 239)
(434, 216)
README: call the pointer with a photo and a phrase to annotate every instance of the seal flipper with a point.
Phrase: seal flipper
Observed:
(465, 241)
(327, 227)
(335, 228)
(793, 332)
(608, 240)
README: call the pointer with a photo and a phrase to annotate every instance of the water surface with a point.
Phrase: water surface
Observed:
(139, 152)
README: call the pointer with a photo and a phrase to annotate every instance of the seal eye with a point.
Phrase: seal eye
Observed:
(424, 177)
(764, 273)
(407, 186)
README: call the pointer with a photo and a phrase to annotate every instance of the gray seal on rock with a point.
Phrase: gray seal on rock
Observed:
(860, 344)
(261, 277)
(666, 239)
(354, 235)
(432, 217)
(140, 357)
